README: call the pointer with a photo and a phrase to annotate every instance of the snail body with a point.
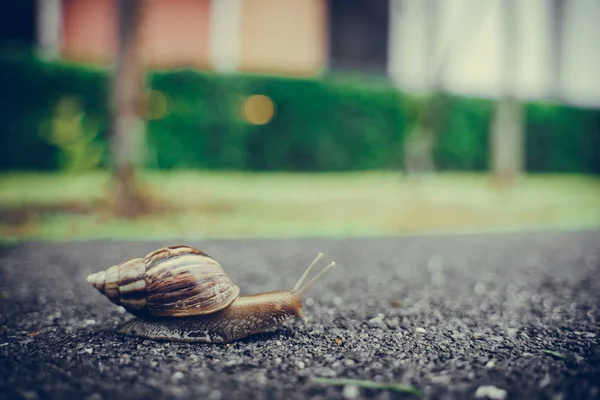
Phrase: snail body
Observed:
(180, 293)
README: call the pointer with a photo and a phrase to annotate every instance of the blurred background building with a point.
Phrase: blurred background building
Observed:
(496, 88)
(535, 48)
(499, 49)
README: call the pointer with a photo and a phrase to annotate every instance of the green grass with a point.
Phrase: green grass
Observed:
(225, 204)
(555, 354)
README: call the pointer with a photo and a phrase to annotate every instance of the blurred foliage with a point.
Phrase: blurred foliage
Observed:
(213, 203)
(463, 139)
(317, 126)
(76, 139)
(56, 117)
(562, 139)
(48, 111)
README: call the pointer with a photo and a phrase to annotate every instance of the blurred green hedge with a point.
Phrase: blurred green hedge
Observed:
(55, 116)
(316, 126)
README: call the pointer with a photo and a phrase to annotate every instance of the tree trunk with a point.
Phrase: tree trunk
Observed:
(420, 144)
(419, 147)
(507, 141)
(506, 131)
(127, 125)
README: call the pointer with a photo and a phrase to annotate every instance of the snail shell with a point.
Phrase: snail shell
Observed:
(175, 281)
(180, 281)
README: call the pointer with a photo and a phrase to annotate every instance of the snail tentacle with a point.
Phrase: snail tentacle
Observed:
(304, 276)
(305, 288)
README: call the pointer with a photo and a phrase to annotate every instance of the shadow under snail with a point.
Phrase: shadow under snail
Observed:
(182, 294)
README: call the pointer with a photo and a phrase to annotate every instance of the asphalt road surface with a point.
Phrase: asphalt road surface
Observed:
(504, 316)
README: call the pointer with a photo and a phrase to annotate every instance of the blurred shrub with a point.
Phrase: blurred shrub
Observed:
(463, 141)
(562, 139)
(316, 126)
(56, 116)
(67, 130)
(48, 111)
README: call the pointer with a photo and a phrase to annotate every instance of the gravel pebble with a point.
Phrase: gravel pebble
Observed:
(490, 392)
(177, 376)
(351, 392)
(489, 305)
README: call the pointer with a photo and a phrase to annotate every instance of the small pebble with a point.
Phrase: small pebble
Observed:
(480, 288)
(490, 364)
(215, 395)
(441, 379)
(377, 321)
(233, 361)
(177, 376)
(490, 392)
(458, 335)
(546, 381)
(392, 322)
(261, 378)
(435, 263)
(175, 391)
(511, 331)
(183, 368)
(420, 330)
(351, 392)
(29, 395)
(326, 372)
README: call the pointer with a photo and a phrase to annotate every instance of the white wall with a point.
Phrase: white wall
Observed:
(468, 52)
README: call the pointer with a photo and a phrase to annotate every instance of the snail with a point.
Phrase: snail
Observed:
(182, 294)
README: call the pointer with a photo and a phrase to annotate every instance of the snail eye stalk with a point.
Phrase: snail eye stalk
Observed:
(302, 286)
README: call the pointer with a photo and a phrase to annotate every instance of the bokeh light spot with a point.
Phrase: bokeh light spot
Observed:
(258, 109)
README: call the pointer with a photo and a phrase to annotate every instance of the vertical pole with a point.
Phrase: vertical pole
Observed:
(49, 28)
(556, 45)
(225, 34)
(507, 140)
(507, 123)
(420, 144)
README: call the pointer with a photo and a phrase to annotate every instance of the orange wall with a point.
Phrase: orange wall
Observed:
(283, 36)
(277, 36)
(173, 33)
(176, 33)
(89, 30)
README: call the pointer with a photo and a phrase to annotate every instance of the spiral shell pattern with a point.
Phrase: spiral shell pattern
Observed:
(176, 281)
